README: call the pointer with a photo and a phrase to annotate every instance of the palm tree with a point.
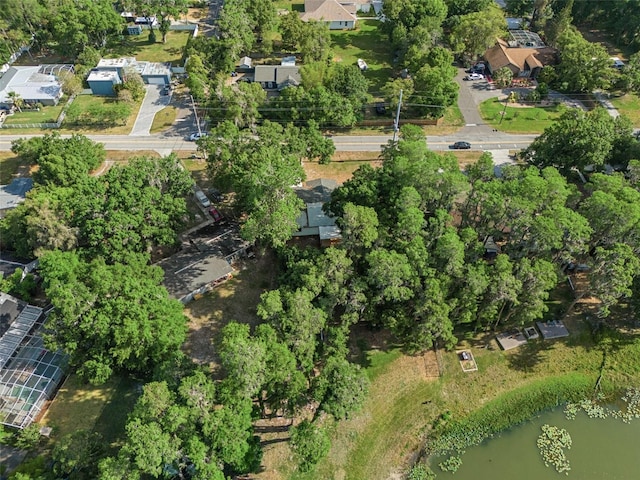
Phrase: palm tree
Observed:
(16, 99)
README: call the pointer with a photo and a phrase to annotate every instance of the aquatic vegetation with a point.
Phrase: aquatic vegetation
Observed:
(552, 443)
(451, 464)
(631, 398)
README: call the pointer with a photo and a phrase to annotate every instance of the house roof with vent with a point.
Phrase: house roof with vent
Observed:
(328, 11)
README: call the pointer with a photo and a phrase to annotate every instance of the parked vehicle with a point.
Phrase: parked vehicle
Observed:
(202, 198)
(460, 146)
(380, 108)
(362, 65)
(474, 76)
(197, 136)
(215, 213)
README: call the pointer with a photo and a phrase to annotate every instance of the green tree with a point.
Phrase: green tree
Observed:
(76, 455)
(310, 443)
(341, 388)
(350, 83)
(435, 89)
(559, 24)
(75, 24)
(576, 140)
(476, 32)
(315, 42)
(584, 66)
(110, 317)
(502, 77)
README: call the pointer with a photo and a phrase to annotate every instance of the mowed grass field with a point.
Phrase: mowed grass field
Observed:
(138, 46)
(368, 43)
(629, 106)
(519, 119)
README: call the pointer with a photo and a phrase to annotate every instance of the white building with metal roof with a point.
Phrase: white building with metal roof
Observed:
(31, 85)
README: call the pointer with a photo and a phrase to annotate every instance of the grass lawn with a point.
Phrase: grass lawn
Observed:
(80, 406)
(377, 443)
(84, 101)
(342, 167)
(164, 119)
(519, 119)
(45, 115)
(10, 165)
(295, 5)
(629, 106)
(138, 46)
(368, 43)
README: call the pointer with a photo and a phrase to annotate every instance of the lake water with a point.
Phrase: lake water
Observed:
(602, 449)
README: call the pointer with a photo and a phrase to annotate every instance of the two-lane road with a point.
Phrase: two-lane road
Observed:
(347, 143)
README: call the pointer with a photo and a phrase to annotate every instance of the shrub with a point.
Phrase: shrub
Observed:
(29, 437)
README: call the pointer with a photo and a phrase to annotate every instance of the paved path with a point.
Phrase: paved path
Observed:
(603, 100)
(153, 102)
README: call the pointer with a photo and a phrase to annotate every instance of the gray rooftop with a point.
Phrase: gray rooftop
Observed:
(204, 258)
(276, 73)
(190, 269)
(29, 83)
(14, 193)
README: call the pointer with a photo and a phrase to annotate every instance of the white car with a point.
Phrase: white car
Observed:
(474, 76)
(196, 136)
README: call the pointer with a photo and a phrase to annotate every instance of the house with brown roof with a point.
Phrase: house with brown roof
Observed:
(339, 15)
(522, 61)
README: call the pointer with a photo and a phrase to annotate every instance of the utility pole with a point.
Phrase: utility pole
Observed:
(195, 112)
(396, 122)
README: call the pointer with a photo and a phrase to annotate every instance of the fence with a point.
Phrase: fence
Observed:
(59, 121)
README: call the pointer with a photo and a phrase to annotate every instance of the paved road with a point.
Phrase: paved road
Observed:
(479, 141)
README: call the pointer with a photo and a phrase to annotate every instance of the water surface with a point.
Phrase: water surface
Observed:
(602, 449)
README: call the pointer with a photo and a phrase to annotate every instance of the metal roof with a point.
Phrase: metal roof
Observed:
(30, 83)
(14, 193)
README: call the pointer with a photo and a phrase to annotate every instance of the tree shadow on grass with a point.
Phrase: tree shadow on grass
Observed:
(527, 356)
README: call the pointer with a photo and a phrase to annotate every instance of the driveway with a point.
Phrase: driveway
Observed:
(471, 94)
(153, 102)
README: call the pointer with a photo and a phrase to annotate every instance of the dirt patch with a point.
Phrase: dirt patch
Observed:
(233, 300)
(342, 170)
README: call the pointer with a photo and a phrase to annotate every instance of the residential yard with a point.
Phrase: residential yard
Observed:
(629, 106)
(103, 408)
(44, 115)
(519, 119)
(138, 46)
(295, 5)
(11, 166)
(368, 43)
(342, 166)
(234, 300)
(378, 442)
(85, 102)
